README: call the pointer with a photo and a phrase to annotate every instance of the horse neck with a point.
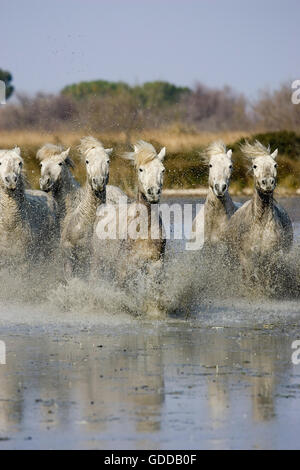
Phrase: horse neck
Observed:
(222, 206)
(67, 186)
(141, 199)
(89, 202)
(262, 204)
(12, 206)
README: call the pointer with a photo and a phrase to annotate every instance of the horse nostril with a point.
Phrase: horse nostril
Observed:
(272, 181)
(94, 180)
(263, 182)
(7, 179)
(224, 187)
(149, 191)
(216, 187)
(15, 179)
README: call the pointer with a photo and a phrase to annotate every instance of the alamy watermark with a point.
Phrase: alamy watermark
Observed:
(296, 353)
(2, 353)
(2, 92)
(295, 98)
(124, 221)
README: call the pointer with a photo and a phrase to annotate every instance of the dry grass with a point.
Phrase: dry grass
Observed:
(184, 167)
(174, 139)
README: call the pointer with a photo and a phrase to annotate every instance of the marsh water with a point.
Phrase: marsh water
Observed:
(83, 372)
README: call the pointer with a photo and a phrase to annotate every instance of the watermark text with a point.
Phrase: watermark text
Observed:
(2, 353)
(296, 353)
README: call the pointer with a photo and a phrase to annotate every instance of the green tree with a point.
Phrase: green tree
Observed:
(7, 78)
(149, 95)
(155, 94)
(95, 88)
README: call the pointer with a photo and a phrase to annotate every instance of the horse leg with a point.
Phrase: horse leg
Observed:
(154, 292)
(68, 268)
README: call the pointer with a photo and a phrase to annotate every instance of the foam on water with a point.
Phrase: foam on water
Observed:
(196, 286)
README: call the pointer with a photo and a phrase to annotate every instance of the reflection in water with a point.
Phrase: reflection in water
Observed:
(173, 386)
(95, 377)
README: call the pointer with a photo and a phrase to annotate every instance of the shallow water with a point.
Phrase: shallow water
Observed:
(83, 372)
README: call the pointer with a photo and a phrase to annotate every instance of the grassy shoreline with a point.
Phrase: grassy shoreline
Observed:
(185, 172)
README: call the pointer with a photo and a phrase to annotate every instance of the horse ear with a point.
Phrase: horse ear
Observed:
(229, 154)
(162, 154)
(65, 154)
(109, 151)
(17, 150)
(274, 154)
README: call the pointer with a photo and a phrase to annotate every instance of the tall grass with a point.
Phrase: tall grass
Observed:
(183, 164)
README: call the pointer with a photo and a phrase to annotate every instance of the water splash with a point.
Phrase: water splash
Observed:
(198, 286)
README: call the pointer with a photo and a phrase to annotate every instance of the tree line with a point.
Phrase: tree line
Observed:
(117, 106)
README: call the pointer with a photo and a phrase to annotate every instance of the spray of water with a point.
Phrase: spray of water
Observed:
(201, 284)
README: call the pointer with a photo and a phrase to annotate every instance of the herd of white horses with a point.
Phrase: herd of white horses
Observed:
(60, 218)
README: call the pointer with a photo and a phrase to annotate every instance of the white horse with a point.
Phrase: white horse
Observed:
(140, 252)
(211, 221)
(28, 224)
(79, 222)
(261, 228)
(57, 178)
(150, 173)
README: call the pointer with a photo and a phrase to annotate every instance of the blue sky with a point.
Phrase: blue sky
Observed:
(248, 45)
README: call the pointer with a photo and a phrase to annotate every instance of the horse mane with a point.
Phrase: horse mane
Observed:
(15, 149)
(143, 153)
(49, 151)
(252, 151)
(89, 143)
(215, 148)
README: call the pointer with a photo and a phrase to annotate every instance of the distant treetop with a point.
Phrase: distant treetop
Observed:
(150, 94)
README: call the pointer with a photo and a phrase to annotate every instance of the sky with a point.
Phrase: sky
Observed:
(247, 44)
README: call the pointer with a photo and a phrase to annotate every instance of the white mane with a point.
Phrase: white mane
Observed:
(48, 151)
(215, 148)
(252, 151)
(93, 147)
(89, 143)
(17, 150)
(143, 153)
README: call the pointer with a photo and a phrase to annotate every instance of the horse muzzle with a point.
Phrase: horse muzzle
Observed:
(99, 184)
(267, 185)
(220, 189)
(46, 185)
(11, 182)
(153, 195)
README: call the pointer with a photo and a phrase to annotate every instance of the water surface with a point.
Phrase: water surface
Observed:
(220, 375)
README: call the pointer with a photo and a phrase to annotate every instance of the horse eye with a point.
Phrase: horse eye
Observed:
(140, 169)
(230, 167)
(20, 163)
(275, 166)
(60, 163)
(254, 166)
(107, 161)
(87, 162)
(210, 165)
